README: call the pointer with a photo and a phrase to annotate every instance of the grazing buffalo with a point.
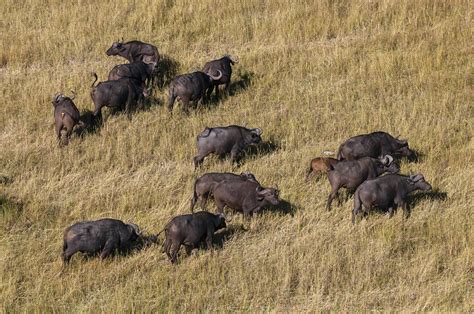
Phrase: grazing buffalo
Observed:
(124, 93)
(224, 65)
(66, 115)
(387, 192)
(320, 164)
(244, 196)
(104, 236)
(232, 139)
(137, 70)
(205, 184)
(374, 145)
(191, 230)
(135, 51)
(190, 87)
(351, 173)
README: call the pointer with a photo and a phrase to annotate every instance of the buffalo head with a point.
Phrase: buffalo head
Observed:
(231, 59)
(116, 48)
(419, 181)
(134, 231)
(255, 136)
(388, 165)
(268, 194)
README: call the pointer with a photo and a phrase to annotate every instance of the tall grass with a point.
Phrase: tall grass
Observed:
(311, 73)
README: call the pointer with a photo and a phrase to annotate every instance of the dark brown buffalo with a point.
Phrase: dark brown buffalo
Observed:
(102, 236)
(205, 184)
(231, 139)
(375, 145)
(244, 196)
(66, 116)
(135, 51)
(136, 70)
(351, 173)
(190, 230)
(319, 165)
(224, 65)
(190, 87)
(387, 192)
(124, 93)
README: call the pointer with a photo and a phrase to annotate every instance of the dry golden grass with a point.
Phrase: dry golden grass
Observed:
(317, 72)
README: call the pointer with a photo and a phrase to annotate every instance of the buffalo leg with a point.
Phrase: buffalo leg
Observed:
(174, 252)
(357, 207)
(203, 202)
(199, 159)
(59, 127)
(331, 197)
(406, 209)
(171, 102)
(234, 155)
(227, 87)
(185, 104)
(391, 211)
(209, 236)
(220, 207)
(108, 249)
(167, 247)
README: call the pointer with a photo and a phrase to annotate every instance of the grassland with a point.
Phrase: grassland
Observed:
(311, 74)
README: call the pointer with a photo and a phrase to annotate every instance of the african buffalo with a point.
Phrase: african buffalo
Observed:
(136, 70)
(374, 145)
(387, 192)
(351, 173)
(320, 164)
(224, 65)
(104, 236)
(244, 196)
(66, 115)
(190, 87)
(135, 51)
(190, 230)
(124, 93)
(232, 139)
(205, 184)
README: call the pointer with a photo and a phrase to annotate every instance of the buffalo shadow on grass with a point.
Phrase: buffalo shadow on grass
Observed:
(236, 86)
(166, 69)
(87, 124)
(261, 149)
(222, 236)
(434, 194)
(284, 208)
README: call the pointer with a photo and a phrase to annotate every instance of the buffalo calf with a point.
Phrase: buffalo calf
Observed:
(191, 230)
(319, 165)
(66, 116)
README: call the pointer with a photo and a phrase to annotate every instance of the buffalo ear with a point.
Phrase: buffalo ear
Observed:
(259, 198)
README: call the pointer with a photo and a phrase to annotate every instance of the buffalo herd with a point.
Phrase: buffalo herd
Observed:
(367, 165)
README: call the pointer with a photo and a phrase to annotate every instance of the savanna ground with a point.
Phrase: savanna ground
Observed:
(311, 74)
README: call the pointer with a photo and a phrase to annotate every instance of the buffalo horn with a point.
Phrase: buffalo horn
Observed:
(215, 78)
